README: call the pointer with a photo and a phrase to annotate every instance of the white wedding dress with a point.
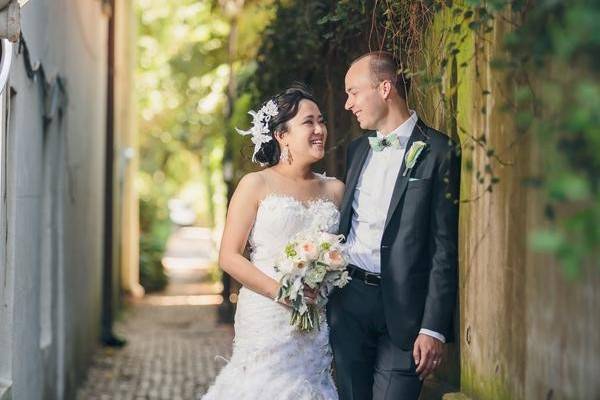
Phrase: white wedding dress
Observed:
(272, 359)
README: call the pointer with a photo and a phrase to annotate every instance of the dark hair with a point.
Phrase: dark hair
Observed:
(384, 66)
(288, 103)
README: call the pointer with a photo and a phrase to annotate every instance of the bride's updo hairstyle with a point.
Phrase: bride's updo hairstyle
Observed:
(288, 103)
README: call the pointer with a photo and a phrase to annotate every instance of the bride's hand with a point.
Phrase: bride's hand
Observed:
(310, 295)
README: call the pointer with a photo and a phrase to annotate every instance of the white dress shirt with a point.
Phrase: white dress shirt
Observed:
(371, 202)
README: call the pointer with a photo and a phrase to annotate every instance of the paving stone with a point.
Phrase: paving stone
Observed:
(173, 352)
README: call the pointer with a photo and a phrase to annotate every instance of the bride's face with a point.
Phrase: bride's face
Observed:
(306, 134)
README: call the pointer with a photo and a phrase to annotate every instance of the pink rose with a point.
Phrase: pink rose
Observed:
(335, 259)
(308, 251)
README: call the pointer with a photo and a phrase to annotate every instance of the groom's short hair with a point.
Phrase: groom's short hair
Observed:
(384, 66)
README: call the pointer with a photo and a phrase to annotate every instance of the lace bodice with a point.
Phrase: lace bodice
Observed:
(279, 218)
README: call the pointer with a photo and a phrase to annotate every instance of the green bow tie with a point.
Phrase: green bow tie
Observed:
(378, 144)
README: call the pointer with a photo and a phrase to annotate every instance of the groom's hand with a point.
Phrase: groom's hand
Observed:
(428, 352)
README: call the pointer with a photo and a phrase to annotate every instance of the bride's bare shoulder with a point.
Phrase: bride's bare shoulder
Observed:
(252, 186)
(330, 181)
(334, 187)
(337, 188)
(335, 182)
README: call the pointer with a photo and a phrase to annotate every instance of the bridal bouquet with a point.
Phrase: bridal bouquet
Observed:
(315, 260)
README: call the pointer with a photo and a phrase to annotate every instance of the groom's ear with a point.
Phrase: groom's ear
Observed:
(385, 89)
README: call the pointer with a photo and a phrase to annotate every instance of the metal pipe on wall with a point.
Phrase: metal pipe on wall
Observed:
(110, 282)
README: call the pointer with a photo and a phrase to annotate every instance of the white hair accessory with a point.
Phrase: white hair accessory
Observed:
(260, 126)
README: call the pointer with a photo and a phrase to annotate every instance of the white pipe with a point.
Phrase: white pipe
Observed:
(5, 63)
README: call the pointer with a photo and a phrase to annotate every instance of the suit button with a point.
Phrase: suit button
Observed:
(384, 246)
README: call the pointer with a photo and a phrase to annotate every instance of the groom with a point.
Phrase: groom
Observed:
(399, 214)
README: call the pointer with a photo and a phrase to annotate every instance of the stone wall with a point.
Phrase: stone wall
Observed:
(526, 331)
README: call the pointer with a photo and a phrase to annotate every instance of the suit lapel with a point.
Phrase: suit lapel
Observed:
(418, 133)
(358, 161)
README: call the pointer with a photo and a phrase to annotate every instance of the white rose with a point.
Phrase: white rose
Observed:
(285, 266)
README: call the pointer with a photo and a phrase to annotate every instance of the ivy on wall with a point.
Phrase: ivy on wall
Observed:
(554, 97)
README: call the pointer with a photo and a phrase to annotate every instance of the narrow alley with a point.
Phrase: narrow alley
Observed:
(127, 127)
(175, 345)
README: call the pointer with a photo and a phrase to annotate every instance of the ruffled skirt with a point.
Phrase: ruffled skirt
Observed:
(273, 360)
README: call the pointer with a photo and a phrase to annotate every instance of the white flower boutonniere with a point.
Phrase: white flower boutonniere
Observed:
(412, 155)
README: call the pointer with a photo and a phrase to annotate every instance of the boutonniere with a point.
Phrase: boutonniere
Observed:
(412, 155)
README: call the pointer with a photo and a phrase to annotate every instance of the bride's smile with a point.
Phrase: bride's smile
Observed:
(306, 134)
(318, 142)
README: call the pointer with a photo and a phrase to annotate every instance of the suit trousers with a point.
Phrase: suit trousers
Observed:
(367, 364)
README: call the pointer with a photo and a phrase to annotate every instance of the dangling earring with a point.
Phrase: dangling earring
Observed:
(285, 155)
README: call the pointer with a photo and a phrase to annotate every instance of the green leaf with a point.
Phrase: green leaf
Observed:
(569, 187)
(474, 25)
(546, 241)
(323, 20)
(523, 119)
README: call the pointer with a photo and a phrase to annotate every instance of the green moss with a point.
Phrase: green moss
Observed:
(483, 387)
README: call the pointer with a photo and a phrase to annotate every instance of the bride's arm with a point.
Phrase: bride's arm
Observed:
(337, 191)
(240, 218)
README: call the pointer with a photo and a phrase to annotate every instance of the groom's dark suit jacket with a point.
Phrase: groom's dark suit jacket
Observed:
(419, 255)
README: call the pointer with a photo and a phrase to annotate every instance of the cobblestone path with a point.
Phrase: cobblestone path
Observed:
(175, 347)
(173, 352)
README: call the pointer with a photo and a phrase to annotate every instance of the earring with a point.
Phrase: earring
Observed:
(285, 155)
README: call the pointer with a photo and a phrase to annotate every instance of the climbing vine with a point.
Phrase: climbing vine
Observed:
(546, 56)
(554, 96)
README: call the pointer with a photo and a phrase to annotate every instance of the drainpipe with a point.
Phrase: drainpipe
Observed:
(5, 62)
(10, 30)
(110, 281)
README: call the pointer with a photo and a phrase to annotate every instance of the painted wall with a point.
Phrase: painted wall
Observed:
(54, 199)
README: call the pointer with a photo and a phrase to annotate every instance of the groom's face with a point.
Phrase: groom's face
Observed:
(365, 100)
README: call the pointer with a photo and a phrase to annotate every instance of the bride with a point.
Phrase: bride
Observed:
(271, 358)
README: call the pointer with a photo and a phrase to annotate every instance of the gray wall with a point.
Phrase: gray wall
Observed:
(51, 274)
